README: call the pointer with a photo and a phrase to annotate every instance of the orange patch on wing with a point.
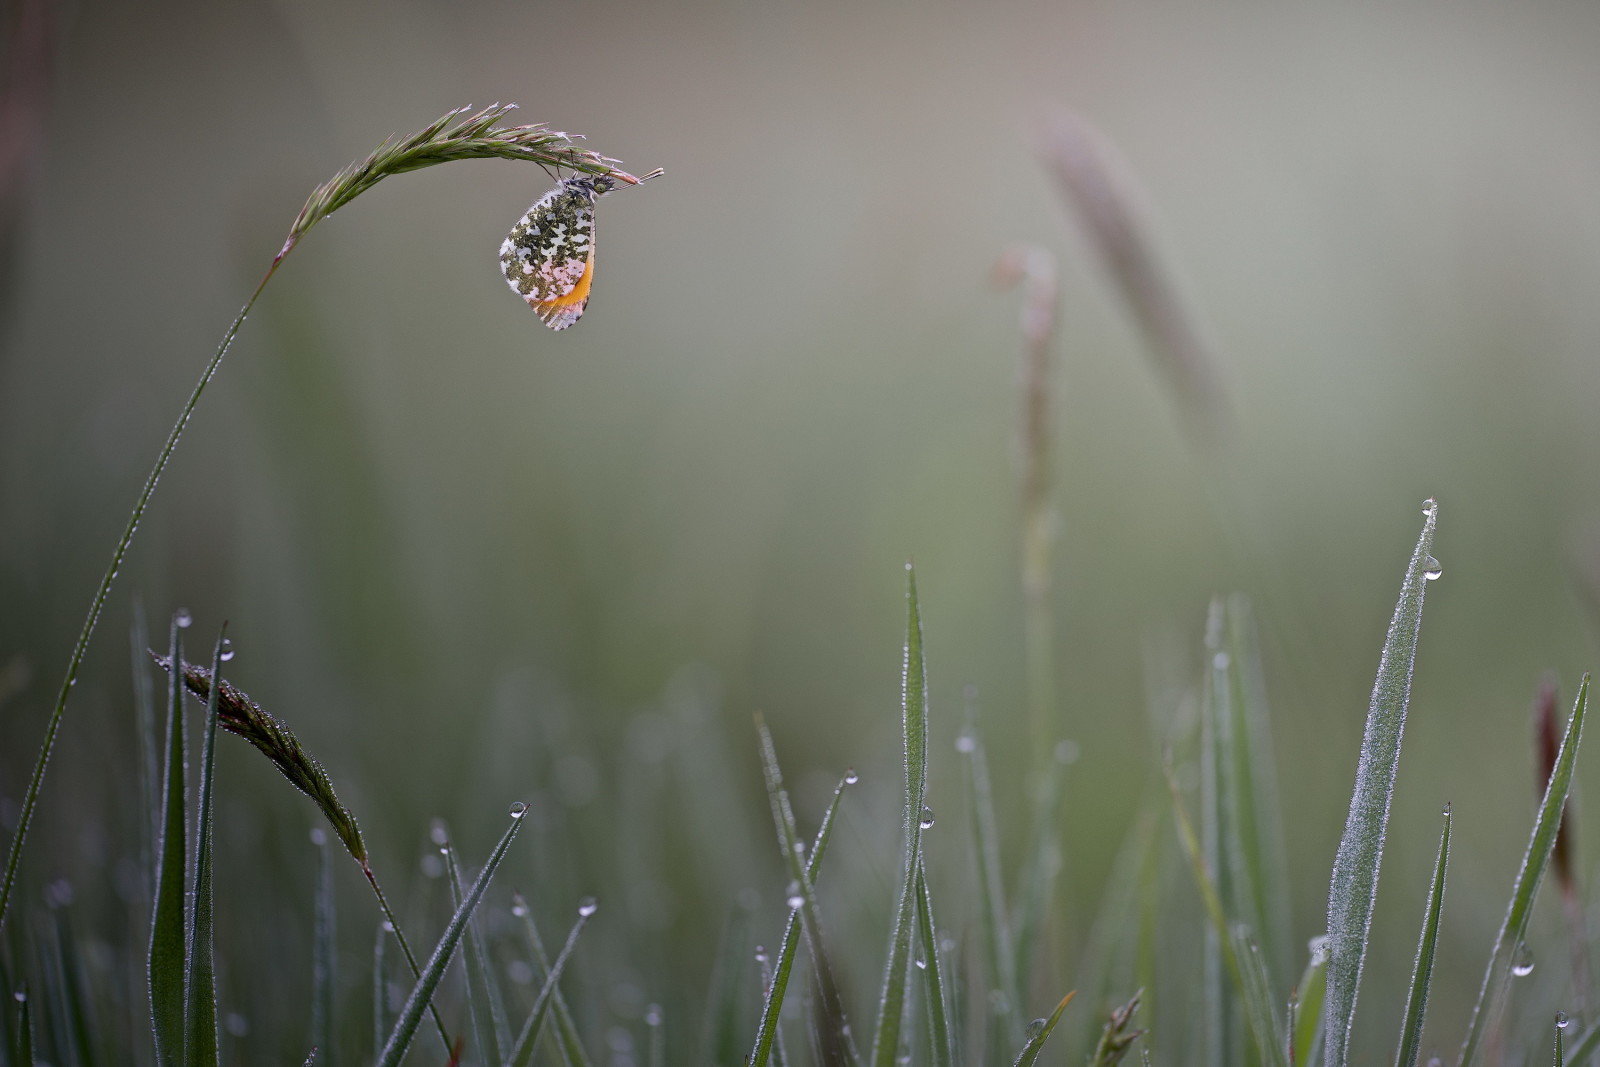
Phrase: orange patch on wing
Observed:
(577, 295)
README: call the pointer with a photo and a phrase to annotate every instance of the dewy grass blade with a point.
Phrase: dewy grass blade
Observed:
(200, 969)
(999, 953)
(1039, 1032)
(1534, 862)
(486, 1026)
(1354, 886)
(167, 927)
(568, 1041)
(405, 1026)
(522, 1050)
(941, 1051)
(1309, 997)
(767, 1031)
(324, 959)
(914, 729)
(1422, 973)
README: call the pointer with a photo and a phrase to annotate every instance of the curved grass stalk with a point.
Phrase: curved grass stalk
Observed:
(472, 137)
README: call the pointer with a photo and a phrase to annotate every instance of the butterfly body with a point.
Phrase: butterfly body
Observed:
(548, 257)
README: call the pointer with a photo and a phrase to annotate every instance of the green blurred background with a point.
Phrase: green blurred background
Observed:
(472, 561)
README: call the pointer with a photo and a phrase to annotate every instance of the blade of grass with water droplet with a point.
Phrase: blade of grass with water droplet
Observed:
(1422, 971)
(1036, 1038)
(1354, 886)
(1308, 1019)
(522, 1051)
(1526, 887)
(767, 1031)
(999, 955)
(941, 1050)
(405, 1026)
(914, 730)
(568, 1041)
(167, 927)
(324, 960)
(200, 967)
(488, 1024)
(23, 1048)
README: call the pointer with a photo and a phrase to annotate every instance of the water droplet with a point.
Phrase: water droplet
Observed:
(908, 566)
(1067, 751)
(183, 619)
(1431, 568)
(518, 810)
(519, 909)
(1435, 1061)
(588, 906)
(850, 776)
(1562, 1022)
(318, 838)
(799, 848)
(796, 900)
(227, 650)
(1430, 507)
(652, 1015)
(1220, 661)
(1036, 1028)
(388, 927)
(438, 832)
(1318, 947)
(1522, 960)
(947, 945)
(20, 996)
(761, 954)
(965, 742)
(927, 817)
(922, 965)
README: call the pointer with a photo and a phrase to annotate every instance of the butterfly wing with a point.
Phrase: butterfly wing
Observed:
(548, 257)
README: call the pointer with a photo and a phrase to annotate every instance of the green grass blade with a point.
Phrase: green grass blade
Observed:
(167, 945)
(200, 969)
(522, 1050)
(656, 1022)
(148, 734)
(779, 1052)
(1309, 1026)
(999, 953)
(767, 1033)
(833, 1026)
(405, 1026)
(324, 960)
(567, 1039)
(1561, 1026)
(380, 991)
(1534, 862)
(723, 1037)
(1422, 972)
(487, 1023)
(1217, 826)
(914, 729)
(1260, 1006)
(22, 1051)
(1039, 1032)
(1354, 886)
(941, 1050)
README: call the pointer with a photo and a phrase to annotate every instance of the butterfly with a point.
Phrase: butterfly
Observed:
(548, 257)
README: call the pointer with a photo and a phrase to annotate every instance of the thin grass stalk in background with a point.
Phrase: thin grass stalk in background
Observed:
(72, 1007)
(405, 1026)
(488, 1024)
(1354, 885)
(167, 926)
(1492, 993)
(1039, 1032)
(1221, 1046)
(324, 957)
(380, 991)
(914, 731)
(568, 1041)
(1309, 995)
(723, 1037)
(656, 1022)
(148, 739)
(472, 137)
(999, 957)
(768, 1035)
(1042, 863)
(200, 966)
(941, 1047)
(1547, 742)
(1560, 1028)
(1585, 1047)
(1260, 1006)
(522, 1048)
(1422, 972)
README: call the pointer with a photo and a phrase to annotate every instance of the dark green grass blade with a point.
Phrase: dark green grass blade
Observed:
(767, 1033)
(380, 991)
(324, 961)
(1039, 1032)
(487, 1024)
(914, 728)
(780, 1053)
(148, 735)
(1309, 997)
(167, 948)
(522, 1050)
(1354, 886)
(23, 1049)
(1534, 862)
(941, 1050)
(405, 1026)
(200, 971)
(1422, 972)
(567, 1039)
(999, 953)
(1560, 1027)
